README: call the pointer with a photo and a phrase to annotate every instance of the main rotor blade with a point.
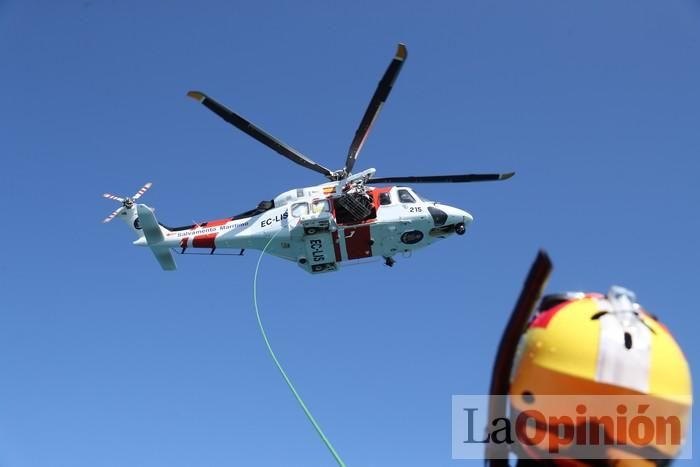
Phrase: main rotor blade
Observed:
(463, 178)
(268, 140)
(143, 190)
(535, 282)
(375, 105)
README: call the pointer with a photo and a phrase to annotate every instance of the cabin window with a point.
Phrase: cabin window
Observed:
(384, 198)
(300, 209)
(406, 197)
(319, 206)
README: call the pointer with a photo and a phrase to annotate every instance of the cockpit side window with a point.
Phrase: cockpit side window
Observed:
(384, 198)
(319, 206)
(406, 197)
(300, 209)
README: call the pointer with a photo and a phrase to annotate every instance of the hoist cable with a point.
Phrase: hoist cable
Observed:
(311, 418)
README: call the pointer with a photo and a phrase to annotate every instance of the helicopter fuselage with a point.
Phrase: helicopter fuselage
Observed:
(312, 227)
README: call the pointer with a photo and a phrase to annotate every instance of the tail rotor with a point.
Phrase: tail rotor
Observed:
(114, 214)
(127, 203)
(143, 190)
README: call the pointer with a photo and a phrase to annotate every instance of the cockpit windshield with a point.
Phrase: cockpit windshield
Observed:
(421, 197)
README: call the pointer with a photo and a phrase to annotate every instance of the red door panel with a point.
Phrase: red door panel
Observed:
(357, 242)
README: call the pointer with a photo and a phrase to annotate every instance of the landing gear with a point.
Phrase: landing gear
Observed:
(389, 261)
(460, 228)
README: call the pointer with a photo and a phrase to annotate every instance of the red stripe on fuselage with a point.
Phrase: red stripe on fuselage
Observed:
(204, 241)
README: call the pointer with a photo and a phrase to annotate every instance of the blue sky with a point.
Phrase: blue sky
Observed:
(107, 361)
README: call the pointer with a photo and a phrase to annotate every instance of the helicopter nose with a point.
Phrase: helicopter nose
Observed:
(461, 227)
(466, 217)
(461, 220)
(457, 217)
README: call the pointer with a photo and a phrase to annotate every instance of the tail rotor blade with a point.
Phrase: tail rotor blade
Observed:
(113, 215)
(143, 190)
(375, 105)
(112, 197)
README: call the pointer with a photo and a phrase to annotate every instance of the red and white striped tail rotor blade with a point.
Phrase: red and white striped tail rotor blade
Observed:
(143, 190)
(113, 215)
(115, 198)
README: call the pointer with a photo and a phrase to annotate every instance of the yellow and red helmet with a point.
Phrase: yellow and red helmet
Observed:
(601, 345)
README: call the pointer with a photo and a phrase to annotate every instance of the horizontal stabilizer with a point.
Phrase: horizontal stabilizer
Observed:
(164, 257)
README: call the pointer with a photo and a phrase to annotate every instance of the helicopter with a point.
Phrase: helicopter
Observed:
(342, 220)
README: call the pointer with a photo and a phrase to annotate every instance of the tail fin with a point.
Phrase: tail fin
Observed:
(143, 223)
(131, 218)
(153, 232)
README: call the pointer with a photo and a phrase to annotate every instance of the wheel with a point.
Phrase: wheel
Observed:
(460, 228)
(311, 230)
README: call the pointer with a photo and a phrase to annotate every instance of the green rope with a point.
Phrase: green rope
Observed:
(279, 366)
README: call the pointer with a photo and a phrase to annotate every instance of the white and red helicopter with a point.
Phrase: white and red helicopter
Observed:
(320, 226)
